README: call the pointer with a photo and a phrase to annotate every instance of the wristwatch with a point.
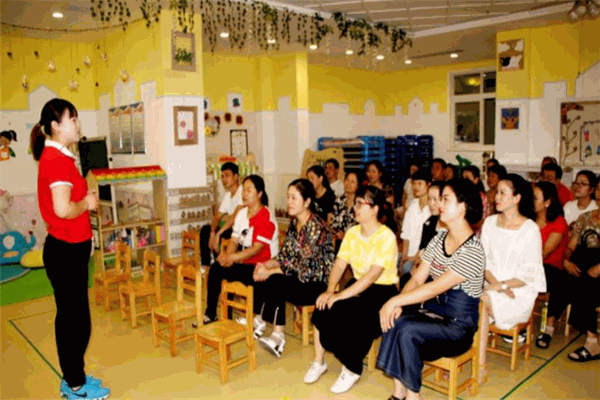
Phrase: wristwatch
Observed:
(504, 286)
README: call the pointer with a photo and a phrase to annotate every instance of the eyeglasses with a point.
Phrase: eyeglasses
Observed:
(359, 204)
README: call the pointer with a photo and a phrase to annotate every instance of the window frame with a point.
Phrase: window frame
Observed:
(453, 99)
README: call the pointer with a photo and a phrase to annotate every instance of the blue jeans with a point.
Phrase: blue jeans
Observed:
(418, 337)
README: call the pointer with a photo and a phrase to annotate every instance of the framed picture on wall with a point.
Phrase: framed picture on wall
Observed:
(185, 125)
(239, 142)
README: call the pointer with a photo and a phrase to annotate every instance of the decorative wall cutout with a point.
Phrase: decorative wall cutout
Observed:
(510, 118)
(234, 102)
(511, 55)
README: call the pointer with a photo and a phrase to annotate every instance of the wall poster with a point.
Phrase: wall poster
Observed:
(580, 133)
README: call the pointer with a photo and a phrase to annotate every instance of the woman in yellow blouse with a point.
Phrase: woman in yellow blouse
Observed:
(347, 322)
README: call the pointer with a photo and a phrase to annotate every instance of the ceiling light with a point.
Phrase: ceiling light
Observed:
(313, 47)
(224, 35)
(580, 8)
(271, 41)
(583, 8)
(407, 62)
(593, 9)
(380, 57)
(349, 52)
(454, 55)
(57, 15)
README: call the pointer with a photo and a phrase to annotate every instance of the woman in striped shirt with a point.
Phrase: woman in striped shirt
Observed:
(446, 323)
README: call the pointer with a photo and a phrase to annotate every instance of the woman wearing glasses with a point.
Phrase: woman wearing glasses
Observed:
(347, 322)
(65, 204)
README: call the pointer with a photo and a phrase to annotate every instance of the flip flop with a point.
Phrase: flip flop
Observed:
(543, 340)
(583, 355)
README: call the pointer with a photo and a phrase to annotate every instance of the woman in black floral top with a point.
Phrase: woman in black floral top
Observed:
(343, 208)
(300, 272)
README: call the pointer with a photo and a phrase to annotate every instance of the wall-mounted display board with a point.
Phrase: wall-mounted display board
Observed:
(126, 129)
(580, 133)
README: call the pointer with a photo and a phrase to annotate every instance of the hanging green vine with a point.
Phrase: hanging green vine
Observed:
(184, 14)
(107, 10)
(151, 10)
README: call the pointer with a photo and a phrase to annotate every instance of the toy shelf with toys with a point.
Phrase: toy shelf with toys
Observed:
(142, 223)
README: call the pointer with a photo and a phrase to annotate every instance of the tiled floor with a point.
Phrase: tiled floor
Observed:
(126, 360)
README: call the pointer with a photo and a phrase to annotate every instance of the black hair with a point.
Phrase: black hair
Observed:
(549, 192)
(320, 172)
(438, 184)
(52, 111)
(439, 161)
(591, 177)
(306, 190)
(493, 161)
(376, 197)
(229, 166)
(422, 175)
(466, 192)
(499, 170)
(521, 187)
(333, 161)
(454, 169)
(554, 167)
(10, 135)
(259, 185)
(473, 169)
(549, 159)
(410, 164)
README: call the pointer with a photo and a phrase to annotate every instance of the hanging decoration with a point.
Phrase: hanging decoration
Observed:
(183, 17)
(151, 10)
(111, 10)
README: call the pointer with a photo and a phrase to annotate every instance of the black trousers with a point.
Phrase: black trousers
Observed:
(236, 273)
(581, 292)
(66, 266)
(348, 329)
(205, 251)
(279, 289)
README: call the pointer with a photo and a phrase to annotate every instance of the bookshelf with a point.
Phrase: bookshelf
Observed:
(149, 231)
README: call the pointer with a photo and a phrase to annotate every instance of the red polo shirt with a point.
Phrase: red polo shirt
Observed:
(57, 167)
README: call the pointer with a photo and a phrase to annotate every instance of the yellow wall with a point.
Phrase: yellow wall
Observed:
(554, 53)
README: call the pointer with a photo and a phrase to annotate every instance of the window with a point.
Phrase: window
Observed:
(473, 108)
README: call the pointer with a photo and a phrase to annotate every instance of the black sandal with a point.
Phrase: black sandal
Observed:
(583, 355)
(392, 397)
(543, 340)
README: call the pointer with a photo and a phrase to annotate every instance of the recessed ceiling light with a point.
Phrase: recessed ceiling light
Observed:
(271, 41)
(407, 62)
(57, 15)
(349, 52)
(313, 47)
(454, 55)
(380, 57)
(224, 35)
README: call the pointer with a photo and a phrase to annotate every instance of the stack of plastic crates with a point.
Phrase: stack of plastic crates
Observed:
(425, 150)
(357, 151)
(393, 167)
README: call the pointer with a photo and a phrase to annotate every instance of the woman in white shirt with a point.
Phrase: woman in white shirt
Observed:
(514, 269)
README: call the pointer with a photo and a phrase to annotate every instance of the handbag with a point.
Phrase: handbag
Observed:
(584, 255)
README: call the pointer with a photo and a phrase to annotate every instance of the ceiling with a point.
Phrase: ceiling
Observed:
(437, 27)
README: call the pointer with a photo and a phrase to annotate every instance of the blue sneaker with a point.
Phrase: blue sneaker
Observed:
(86, 392)
(89, 380)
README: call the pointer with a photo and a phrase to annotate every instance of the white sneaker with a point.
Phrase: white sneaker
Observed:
(521, 338)
(345, 381)
(314, 372)
(274, 343)
(259, 325)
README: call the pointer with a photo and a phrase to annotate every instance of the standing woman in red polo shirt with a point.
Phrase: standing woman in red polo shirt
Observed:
(64, 203)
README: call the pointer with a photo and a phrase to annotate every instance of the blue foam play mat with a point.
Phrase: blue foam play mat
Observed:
(9, 272)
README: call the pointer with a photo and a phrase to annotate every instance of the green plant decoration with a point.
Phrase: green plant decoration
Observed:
(182, 56)
(184, 16)
(111, 10)
(151, 10)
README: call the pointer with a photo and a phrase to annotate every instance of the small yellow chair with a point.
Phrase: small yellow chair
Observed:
(129, 292)
(106, 283)
(302, 323)
(515, 348)
(190, 257)
(176, 313)
(221, 334)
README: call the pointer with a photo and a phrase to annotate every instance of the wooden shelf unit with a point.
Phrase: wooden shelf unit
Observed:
(125, 176)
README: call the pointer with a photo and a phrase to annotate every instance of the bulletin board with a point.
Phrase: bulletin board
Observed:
(580, 133)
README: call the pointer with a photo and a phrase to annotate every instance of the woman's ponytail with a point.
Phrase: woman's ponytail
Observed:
(37, 141)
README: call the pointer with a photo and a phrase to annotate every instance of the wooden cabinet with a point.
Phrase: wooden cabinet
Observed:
(146, 226)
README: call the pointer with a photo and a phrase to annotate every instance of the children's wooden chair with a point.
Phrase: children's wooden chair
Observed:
(176, 313)
(454, 365)
(220, 335)
(190, 257)
(516, 349)
(106, 283)
(302, 323)
(147, 288)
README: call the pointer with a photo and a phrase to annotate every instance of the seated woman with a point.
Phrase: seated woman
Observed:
(374, 173)
(324, 196)
(343, 208)
(581, 285)
(254, 240)
(346, 323)
(447, 322)
(514, 270)
(471, 172)
(555, 237)
(300, 271)
(495, 174)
